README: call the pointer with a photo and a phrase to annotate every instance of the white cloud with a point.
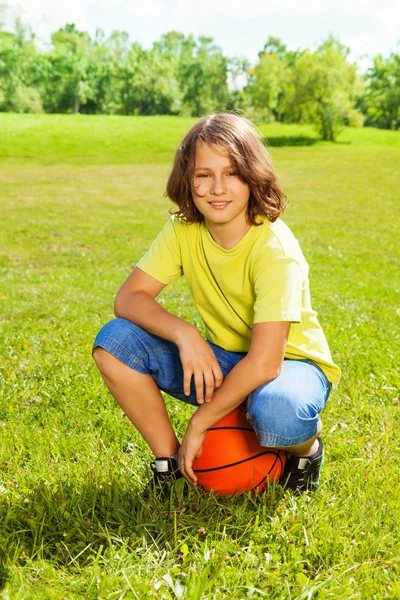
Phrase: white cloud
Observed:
(46, 16)
(237, 9)
(119, 9)
(147, 8)
(240, 27)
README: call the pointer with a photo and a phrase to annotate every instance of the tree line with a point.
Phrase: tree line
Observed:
(184, 75)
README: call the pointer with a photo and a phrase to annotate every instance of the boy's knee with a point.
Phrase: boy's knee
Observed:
(282, 420)
(116, 336)
(265, 409)
(101, 357)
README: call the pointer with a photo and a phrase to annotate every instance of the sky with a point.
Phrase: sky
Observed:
(239, 27)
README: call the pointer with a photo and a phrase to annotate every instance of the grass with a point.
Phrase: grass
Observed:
(81, 199)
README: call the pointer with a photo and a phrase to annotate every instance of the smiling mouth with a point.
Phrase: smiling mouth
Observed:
(220, 205)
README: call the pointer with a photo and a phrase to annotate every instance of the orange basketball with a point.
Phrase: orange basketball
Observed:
(233, 460)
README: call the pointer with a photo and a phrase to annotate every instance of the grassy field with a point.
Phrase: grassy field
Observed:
(81, 198)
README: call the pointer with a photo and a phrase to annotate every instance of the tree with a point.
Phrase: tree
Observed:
(266, 85)
(269, 79)
(239, 78)
(324, 89)
(149, 85)
(17, 70)
(201, 71)
(111, 56)
(381, 102)
(203, 76)
(275, 46)
(70, 72)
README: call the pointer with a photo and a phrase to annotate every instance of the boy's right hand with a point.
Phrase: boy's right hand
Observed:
(198, 360)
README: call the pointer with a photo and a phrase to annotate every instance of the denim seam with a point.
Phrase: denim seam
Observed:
(132, 359)
(112, 344)
(278, 440)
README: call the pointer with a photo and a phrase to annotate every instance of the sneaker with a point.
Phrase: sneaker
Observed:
(165, 473)
(302, 473)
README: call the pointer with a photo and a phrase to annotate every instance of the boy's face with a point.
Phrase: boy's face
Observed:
(218, 192)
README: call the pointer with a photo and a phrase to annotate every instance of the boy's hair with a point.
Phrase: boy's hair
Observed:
(251, 160)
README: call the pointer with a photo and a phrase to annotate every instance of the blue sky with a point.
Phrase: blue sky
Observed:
(239, 27)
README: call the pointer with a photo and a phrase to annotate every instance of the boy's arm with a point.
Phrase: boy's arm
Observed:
(136, 301)
(261, 364)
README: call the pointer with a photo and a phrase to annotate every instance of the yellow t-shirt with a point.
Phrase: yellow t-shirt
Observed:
(263, 278)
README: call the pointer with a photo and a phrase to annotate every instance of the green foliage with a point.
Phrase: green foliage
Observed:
(318, 87)
(203, 75)
(276, 47)
(72, 524)
(17, 71)
(239, 78)
(269, 80)
(201, 71)
(70, 72)
(149, 86)
(267, 84)
(182, 75)
(381, 102)
(324, 89)
(177, 75)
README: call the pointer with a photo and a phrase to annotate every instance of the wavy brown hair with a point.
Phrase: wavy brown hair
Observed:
(251, 160)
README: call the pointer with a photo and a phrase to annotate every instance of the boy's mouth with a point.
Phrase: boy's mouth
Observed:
(220, 204)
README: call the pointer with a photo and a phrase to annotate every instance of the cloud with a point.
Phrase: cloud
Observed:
(237, 9)
(45, 16)
(239, 27)
(147, 8)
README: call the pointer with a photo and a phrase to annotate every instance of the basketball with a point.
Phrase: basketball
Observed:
(233, 460)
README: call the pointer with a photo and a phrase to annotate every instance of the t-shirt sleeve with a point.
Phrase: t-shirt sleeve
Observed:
(278, 291)
(163, 260)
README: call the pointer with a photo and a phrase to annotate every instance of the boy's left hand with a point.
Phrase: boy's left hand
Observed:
(190, 449)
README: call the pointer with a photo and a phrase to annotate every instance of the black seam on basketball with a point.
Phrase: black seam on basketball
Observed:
(278, 457)
(239, 462)
(265, 477)
(235, 428)
(267, 474)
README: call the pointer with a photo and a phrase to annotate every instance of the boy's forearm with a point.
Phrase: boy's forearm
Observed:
(243, 379)
(145, 311)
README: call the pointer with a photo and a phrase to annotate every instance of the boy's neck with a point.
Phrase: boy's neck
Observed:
(228, 235)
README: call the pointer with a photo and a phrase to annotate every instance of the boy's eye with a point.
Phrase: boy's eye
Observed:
(230, 174)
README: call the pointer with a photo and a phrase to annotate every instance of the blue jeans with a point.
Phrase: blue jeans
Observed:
(284, 412)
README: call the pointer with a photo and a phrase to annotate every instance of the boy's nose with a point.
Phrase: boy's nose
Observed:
(218, 187)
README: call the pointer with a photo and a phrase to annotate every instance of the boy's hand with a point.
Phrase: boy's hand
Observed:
(198, 360)
(190, 449)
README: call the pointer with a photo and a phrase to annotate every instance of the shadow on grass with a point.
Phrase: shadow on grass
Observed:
(300, 140)
(74, 523)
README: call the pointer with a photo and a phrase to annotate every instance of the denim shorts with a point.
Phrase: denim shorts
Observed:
(284, 412)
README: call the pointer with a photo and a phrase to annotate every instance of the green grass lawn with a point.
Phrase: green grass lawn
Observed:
(81, 198)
